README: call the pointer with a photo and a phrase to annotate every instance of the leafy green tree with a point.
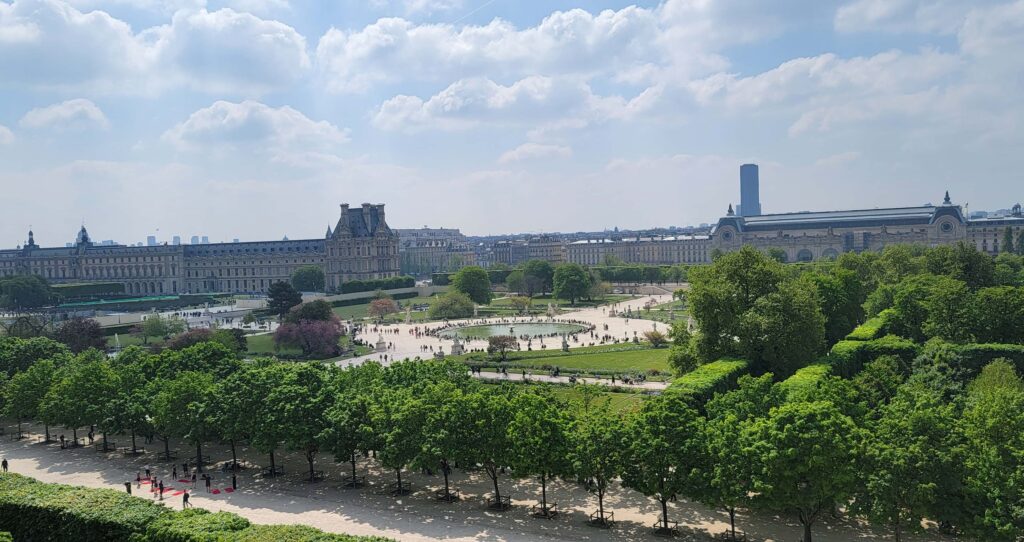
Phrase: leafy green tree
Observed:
(778, 255)
(501, 345)
(450, 306)
(299, 405)
(841, 296)
(308, 278)
(184, 408)
(905, 458)
(949, 311)
(80, 394)
(445, 432)
(489, 445)
(879, 381)
(516, 281)
(24, 292)
(1007, 244)
(571, 282)
(317, 311)
(682, 356)
(540, 440)
(520, 303)
(474, 282)
(24, 393)
(349, 426)
(538, 276)
(1019, 247)
(154, 327)
(993, 426)
(803, 457)
(281, 297)
(783, 330)
(18, 354)
(240, 404)
(663, 451)
(397, 418)
(596, 448)
(997, 315)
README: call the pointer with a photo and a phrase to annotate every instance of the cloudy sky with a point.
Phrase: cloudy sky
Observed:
(255, 118)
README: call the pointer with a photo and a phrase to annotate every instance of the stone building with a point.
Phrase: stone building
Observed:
(360, 247)
(667, 250)
(425, 256)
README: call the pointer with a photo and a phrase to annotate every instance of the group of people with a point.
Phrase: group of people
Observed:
(157, 487)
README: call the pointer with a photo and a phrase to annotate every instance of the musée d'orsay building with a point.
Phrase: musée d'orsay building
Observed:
(363, 247)
(360, 247)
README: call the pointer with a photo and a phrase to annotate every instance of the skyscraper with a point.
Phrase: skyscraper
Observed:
(750, 192)
(151, 241)
(176, 240)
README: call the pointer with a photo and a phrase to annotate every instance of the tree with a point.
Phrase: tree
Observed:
(397, 418)
(803, 456)
(538, 276)
(1019, 247)
(783, 330)
(299, 404)
(682, 356)
(841, 298)
(281, 297)
(184, 408)
(656, 338)
(571, 282)
(488, 445)
(663, 450)
(317, 311)
(501, 344)
(906, 458)
(778, 255)
(949, 311)
(18, 354)
(308, 278)
(997, 315)
(24, 393)
(1008, 244)
(516, 281)
(81, 334)
(520, 303)
(446, 431)
(315, 338)
(349, 426)
(379, 308)
(79, 396)
(474, 282)
(540, 441)
(596, 441)
(24, 292)
(450, 306)
(154, 326)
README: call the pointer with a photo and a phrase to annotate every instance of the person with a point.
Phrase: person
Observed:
(147, 472)
(207, 477)
(161, 490)
(4, 465)
(128, 487)
(184, 500)
(234, 481)
(193, 479)
(174, 472)
(138, 479)
(92, 437)
(62, 444)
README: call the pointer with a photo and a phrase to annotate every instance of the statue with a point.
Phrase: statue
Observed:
(408, 314)
(476, 309)
(381, 345)
(565, 343)
(457, 347)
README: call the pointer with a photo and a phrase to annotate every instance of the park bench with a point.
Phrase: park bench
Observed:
(398, 490)
(605, 522)
(127, 451)
(109, 447)
(548, 512)
(354, 482)
(502, 503)
(318, 475)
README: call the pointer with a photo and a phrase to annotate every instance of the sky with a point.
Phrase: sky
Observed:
(255, 119)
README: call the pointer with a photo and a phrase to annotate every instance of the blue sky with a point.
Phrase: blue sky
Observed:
(254, 119)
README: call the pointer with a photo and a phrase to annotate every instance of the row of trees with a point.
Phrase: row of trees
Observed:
(892, 445)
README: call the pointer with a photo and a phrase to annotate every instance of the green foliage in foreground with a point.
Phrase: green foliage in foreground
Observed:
(805, 380)
(849, 357)
(716, 377)
(36, 512)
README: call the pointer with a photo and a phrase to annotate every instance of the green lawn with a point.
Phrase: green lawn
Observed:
(263, 345)
(130, 339)
(357, 312)
(618, 400)
(540, 302)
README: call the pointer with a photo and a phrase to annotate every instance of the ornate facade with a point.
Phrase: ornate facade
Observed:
(360, 247)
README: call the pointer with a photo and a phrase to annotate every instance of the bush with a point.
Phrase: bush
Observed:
(970, 359)
(849, 357)
(872, 329)
(805, 380)
(703, 382)
(195, 525)
(451, 306)
(496, 276)
(71, 291)
(364, 300)
(392, 283)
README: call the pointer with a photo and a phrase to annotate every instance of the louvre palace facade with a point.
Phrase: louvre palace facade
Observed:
(361, 246)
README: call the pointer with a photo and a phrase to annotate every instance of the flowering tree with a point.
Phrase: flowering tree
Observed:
(379, 308)
(316, 338)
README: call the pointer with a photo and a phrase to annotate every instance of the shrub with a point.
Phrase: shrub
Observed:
(703, 382)
(392, 283)
(872, 329)
(194, 525)
(451, 305)
(804, 381)
(849, 357)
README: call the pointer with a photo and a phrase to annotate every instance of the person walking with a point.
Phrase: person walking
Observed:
(174, 472)
(234, 481)
(4, 464)
(161, 490)
(208, 480)
(184, 500)
(147, 472)
(128, 487)
(193, 479)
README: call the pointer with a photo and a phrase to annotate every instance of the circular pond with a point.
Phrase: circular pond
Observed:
(529, 329)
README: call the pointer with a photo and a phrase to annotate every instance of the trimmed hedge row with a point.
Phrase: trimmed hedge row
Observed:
(972, 358)
(365, 300)
(849, 357)
(68, 291)
(804, 381)
(36, 512)
(496, 276)
(392, 283)
(702, 383)
(872, 329)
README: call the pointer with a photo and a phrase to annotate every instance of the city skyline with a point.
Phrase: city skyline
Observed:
(246, 118)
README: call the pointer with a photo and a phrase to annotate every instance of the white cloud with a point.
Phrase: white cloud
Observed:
(254, 126)
(919, 16)
(6, 135)
(543, 102)
(840, 159)
(72, 114)
(49, 44)
(528, 151)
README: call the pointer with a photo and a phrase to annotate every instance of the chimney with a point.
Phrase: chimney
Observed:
(380, 213)
(367, 211)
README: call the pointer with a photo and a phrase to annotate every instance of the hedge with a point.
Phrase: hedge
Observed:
(68, 291)
(392, 283)
(803, 381)
(849, 357)
(365, 300)
(872, 329)
(496, 276)
(702, 383)
(6, 537)
(36, 512)
(970, 359)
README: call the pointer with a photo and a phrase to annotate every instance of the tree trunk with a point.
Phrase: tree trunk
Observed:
(46, 428)
(898, 530)
(167, 448)
(105, 447)
(444, 470)
(74, 433)
(600, 501)
(273, 467)
(398, 489)
(234, 456)
(493, 473)
(732, 521)
(19, 428)
(664, 513)
(199, 457)
(807, 532)
(544, 492)
(309, 457)
(353, 461)
(133, 441)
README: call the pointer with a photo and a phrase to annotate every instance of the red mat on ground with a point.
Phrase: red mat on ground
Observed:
(179, 492)
(185, 481)
(215, 492)
(144, 482)
(228, 490)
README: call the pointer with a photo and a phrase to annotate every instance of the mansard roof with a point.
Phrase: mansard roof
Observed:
(895, 216)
